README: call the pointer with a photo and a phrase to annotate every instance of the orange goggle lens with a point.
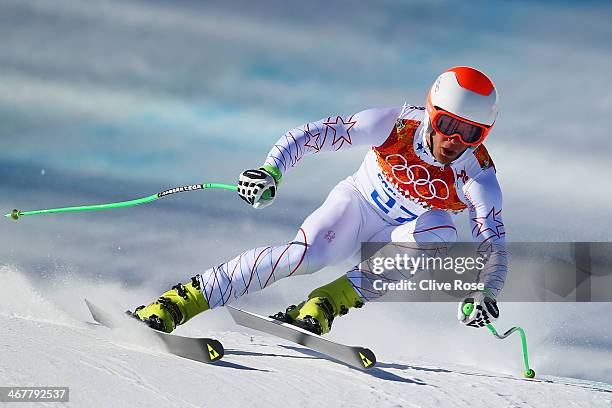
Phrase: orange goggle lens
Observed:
(449, 125)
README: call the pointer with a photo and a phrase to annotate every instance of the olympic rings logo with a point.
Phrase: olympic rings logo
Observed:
(409, 174)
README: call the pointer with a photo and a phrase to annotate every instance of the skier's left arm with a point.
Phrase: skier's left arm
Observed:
(484, 197)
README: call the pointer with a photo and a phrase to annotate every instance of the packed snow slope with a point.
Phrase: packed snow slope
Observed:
(41, 344)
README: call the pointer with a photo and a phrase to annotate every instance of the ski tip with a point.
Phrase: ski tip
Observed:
(99, 315)
(215, 350)
(92, 309)
(367, 358)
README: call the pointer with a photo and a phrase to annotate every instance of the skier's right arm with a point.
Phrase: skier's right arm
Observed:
(369, 127)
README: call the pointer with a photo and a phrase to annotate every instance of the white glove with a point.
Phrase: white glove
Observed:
(257, 187)
(481, 310)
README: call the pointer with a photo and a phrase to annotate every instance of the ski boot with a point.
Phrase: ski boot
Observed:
(173, 307)
(325, 303)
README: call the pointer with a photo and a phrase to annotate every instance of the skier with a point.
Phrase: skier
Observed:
(424, 164)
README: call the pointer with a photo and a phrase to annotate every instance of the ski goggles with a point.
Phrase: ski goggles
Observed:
(450, 125)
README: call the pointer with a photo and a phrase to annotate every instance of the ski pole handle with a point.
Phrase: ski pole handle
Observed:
(16, 214)
(467, 310)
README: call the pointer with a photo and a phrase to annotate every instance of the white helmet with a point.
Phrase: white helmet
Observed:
(465, 92)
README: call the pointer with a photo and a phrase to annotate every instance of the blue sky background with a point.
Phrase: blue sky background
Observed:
(112, 100)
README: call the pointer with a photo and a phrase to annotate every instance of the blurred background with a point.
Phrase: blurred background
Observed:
(113, 100)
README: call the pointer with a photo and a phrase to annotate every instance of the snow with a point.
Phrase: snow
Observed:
(42, 344)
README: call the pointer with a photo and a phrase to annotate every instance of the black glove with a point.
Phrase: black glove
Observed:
(257, 187)
(482, 310)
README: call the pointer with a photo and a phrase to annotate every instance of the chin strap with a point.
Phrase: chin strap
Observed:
(429, 132)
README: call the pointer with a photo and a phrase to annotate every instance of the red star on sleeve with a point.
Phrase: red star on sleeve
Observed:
(314, 138)
(341, 130)
(489, 227)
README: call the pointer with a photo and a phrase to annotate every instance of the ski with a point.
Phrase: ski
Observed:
(205, 350)
(354, 356)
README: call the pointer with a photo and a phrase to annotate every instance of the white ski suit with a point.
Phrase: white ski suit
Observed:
(399, 194)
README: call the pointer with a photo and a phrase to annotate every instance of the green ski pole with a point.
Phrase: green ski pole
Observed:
(16, 214)
(529, 373)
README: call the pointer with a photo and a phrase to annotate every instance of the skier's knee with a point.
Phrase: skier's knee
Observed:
(435, 227)
(315, 256)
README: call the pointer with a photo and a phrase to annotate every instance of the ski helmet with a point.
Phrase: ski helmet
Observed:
(463, 103)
